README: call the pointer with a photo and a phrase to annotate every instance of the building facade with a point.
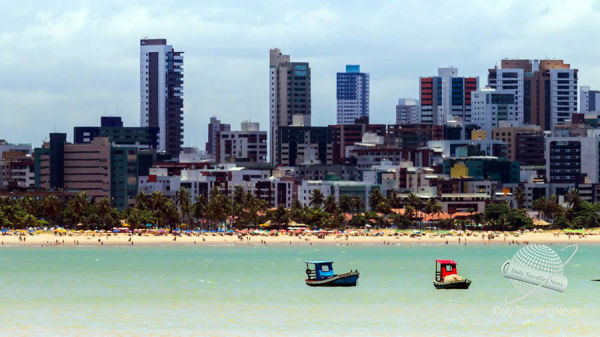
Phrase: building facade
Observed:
(590, 100)
(214, 127)
(161, 92)
(289, 96)
(549, 89)
(96, 168)
(299, 145)
(246, 146)
(446, 96)
(408, 111)
(523, 143)
(490, 107)
(352, 95)
(118, 135)
(572, 160)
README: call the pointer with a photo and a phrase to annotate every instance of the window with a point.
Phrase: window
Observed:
(325, 267)
(449, 268)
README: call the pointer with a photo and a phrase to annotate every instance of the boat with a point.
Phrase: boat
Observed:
(320, 274)
(446, 276)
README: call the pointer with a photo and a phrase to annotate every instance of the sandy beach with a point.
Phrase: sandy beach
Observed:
(388, 237)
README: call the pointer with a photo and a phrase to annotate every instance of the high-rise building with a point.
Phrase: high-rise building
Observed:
(590, 100)
(446, 96)
(549, 89)
(352, 95)
(289, 96)
(408, 111)
(490, 107)
(214, 127)
(161, 92)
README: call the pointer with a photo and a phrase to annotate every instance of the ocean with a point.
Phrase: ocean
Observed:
(260, 291)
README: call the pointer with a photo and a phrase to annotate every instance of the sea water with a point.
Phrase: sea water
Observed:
(260, 291)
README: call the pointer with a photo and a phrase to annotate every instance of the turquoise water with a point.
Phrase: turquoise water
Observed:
(259, 291)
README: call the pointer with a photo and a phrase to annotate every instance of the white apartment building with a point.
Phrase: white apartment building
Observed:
(511, 80)
(563, 94)
(408, 111)
(589, 100)
(490, 107)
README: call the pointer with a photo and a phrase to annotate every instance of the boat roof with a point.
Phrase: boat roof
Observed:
(446, 261)
(318, 262)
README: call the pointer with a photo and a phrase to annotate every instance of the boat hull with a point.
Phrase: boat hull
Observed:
(342, 280)
(462, 284)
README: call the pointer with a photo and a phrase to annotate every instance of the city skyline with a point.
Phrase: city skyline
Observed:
(41, 94)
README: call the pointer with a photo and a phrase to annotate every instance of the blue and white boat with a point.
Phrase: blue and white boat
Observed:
(320, 274)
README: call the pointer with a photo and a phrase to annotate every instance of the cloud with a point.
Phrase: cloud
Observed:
(66, 63)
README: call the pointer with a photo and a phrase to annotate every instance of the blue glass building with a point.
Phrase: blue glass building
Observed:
(352, 95)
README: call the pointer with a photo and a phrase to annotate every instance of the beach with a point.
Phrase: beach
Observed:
(384, 237)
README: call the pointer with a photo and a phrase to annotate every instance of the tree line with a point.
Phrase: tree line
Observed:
(243, 209)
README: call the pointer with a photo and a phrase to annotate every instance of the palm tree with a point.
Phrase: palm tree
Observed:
(317, 198)
(345, 203)
(394, 200)
(330, 206)
(278, 216)
(416, 203)
(356, 203)
(182, 197)
(77, 205)
(52, 208)
(541, 204)
(218, 207)
(471, 211)
(199, 207)
(156, 200)
(432, 206)
(142, 201)
(384, 208)
(104, 209)
(375, 197)
(519, 196)
(573, 198)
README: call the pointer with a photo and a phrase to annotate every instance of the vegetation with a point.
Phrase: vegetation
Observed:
(242, 209)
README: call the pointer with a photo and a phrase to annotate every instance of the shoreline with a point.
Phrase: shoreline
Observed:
(51, 240)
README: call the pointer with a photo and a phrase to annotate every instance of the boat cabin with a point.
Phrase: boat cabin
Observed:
(444, 268)
(319, 270)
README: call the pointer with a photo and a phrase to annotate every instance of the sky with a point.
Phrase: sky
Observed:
(67, 63)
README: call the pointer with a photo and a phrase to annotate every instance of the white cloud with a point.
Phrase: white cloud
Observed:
(65, 64)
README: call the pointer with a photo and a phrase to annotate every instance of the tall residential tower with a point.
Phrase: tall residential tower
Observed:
(446, 96)
(352, 95)
(161, 93)
(545, 90)
(289, 95)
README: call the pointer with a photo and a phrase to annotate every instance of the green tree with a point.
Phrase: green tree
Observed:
(278, 216)
(357, 203)
(573, 198)
(219, 206)
(52, 208)
(317, 198)
(330, 205)
(375, 197)
(519, 196)
(184, 203)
